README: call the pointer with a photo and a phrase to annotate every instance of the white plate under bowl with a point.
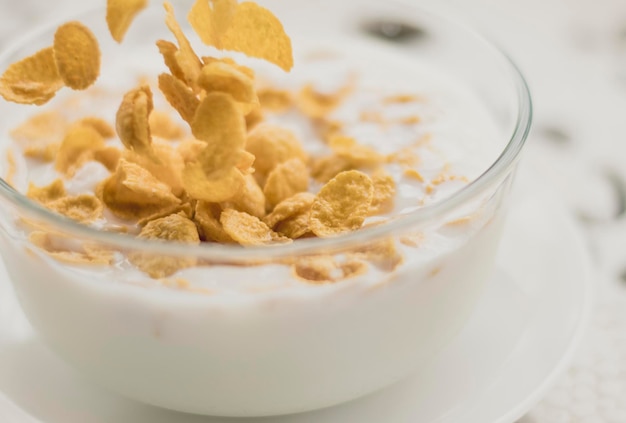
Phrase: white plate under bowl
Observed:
(522, 334)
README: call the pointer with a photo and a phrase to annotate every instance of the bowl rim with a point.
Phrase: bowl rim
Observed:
(494, 174)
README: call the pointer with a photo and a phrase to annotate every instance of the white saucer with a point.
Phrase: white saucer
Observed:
(523, 333)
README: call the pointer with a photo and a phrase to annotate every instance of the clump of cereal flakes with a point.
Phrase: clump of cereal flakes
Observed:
(237, 180)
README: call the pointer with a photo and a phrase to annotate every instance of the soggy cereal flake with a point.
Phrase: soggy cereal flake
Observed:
(342, 204)
(186, 58)
(327, 269)
(41, 129)
(256, 32)
(295, 227)
(132, 121)
(323, 169)
(250, 199)
(175, 228)
(272, 145)
(384, 192)
(162, 126)
(56, 247)
(120, 14)
(83, 208)
(285, 180)
(207, 218)
(179, 96)
(166, 164)
(132, 192)
(290, 207)
(383, 254)
(77, 148)
(356, 154)
(77, 55)
(222, 77)
(248, 230)
(45, 153)
(108, 156)
(216, 187)
(218, 122)
(33, 80)
(48, 193)
(99, 124)
(211, 18)
(275, 100)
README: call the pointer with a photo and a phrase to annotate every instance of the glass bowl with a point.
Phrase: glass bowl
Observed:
(246, 340)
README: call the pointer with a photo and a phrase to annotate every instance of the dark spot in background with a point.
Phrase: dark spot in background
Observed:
(392, 30)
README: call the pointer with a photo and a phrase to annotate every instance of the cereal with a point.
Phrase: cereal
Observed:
(45, 153)
(108, 156)
(211, 18)
(285, 180)
(168, 50)
(272, 145)
(41, 129)
(275, 100)
(185, 209)
(57, 248)
(324, 169)
(100, 125)
(384, 254)
(166, 165)
(342, 204)
(77, 55)
(162, 126)
(48, 193)
(207, 218)
(317, 105)
(83, 208)
(357, 155)
(77, 148)
(218, 121)
(290, 207)
(179, 96)
(186, 58)
(384, 192)
(33, 80)
(223, 185)
(296, 226)
(132, 122)
(132, 192)
(222, 77)
(176, 228)
(327, 269)
(248, 230)
(120, 14)
(250, 200)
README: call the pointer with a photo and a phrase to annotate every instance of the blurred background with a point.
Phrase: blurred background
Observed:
(573, 53)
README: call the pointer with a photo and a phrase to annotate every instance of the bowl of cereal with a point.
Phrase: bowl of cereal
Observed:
(260, 209)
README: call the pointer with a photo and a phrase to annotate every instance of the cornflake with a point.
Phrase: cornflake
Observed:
(162, 126)
(284, 181)
(177, 228)
(48, 193)
(384, 192)
(289, 208)
(33, 80)
(77, 55)
(168, 50)
(357, 155)
(250, 199)
(342, 204)
(179, 96)
(207, 218)
(187, 60)
(56, 247)
(226, 78)
(327, 269)
(248, 230)
(77, 148)
(83, 208)
(132, 122)
(120, 14)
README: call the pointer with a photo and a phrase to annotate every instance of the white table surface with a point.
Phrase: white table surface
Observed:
(573, 53)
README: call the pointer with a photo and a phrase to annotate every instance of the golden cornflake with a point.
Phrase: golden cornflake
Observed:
(290, 207)
(383, 254)
(222, 77)
(166, 165)
(45, 153)
(317, 105)
(41, 129)
(295, 227)
(401, 99)
(83, 208)
(100, 125)
(132, 192)
(162, 126)
(9, 177)
(108, 156)
(384, 192)
(342, 204)
(217, 121)
(190, 149)
(180, 97)
(120, 14)
(211, 18)
(168, 50)
(327, 269)
(184, 209)
(284, 181)
(272, 145)
(324, 169)
(207, 218)
(48, 193)
(33, 80)
(356, 154)
(222, 185)
(275, 100)
(77, 55)
(56, 247)
(132, 122)
(250, 199)
(175, 228)
(187, 60)
(207, 60)
(249, 230)
(77, 147)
